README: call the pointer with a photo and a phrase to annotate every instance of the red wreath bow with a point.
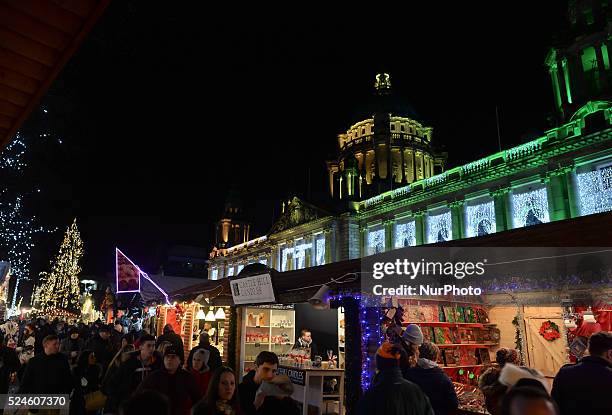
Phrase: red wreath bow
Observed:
(550, 331)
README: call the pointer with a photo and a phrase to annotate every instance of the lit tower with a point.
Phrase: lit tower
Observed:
(232, 229)
(578, 62)
(387, 148)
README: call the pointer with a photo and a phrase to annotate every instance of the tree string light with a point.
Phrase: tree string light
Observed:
(17, 228)
(60, 287)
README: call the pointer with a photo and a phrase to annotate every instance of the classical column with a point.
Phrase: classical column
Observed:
(403, 175)
(414, 169)
(603, 78)
(558, 195)
(364, 241)
(456, 208)
(503, 219)
(572, 196)
(561, 81)
(388, 224)
(328, 246)
(419, 227)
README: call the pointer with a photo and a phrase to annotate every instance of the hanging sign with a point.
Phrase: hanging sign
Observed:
(257, 289)
(128, 274)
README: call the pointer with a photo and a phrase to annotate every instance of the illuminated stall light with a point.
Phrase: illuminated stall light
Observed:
(530, 208)
(439, 227)
(595, 191)
(285, 252)
(376, 241)
(405, 234)
(480, 219)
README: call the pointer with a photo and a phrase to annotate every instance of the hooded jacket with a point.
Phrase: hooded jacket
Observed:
(391, 394)
(585, 387)
(435, 384)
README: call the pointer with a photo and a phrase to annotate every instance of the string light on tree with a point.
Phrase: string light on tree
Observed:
(59, 289)
(17, 228)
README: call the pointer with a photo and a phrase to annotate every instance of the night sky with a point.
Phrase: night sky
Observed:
(164, 108)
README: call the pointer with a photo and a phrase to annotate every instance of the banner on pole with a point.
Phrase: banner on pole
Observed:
(128, 274)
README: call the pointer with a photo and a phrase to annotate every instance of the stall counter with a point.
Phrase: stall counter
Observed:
(309, 386)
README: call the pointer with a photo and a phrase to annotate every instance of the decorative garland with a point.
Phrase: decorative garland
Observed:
(550, 331)
(518, 337)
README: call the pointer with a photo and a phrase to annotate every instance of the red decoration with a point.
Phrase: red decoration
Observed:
(550, 331)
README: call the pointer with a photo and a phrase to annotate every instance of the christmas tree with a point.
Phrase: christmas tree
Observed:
(59, 289)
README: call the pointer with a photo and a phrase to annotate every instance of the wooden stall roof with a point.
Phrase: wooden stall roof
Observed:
(37, 37)
(592, 230)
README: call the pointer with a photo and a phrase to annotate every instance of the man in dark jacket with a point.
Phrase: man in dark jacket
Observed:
(585, 387)
(252, 403)
(9, 364)
(432, 380)
(390, 393)
(72, 345)
(174, 382)
(132, 372)
(47, 372)
(102, 347)
(176, 341)
(214, 360)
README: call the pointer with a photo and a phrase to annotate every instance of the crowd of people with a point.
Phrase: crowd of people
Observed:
(107, 371)
(409, 381)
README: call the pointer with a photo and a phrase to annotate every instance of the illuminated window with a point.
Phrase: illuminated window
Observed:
(439, 227)
(530, 207)
(595, 190)
(239, 268)
(404, 234)
(230, 271)
(214, 274)
(300, 251)
(263, 261)
(285, 256)
(376, 240)
(320, 249)
(480, 218)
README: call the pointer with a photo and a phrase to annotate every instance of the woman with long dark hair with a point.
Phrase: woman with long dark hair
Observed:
(222, 395)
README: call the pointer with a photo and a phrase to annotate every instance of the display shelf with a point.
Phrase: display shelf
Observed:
(330, 396)
(463, 366)
(257, 327)
(447, 324)
(475, 345)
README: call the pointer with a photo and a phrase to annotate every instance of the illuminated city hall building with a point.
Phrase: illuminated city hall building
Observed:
(396, 191)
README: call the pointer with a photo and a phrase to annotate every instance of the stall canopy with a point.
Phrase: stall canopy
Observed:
(300, 285)
(37, 38)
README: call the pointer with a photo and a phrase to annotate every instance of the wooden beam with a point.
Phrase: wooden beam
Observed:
(14, 96)
(18, 81)
(6, 122)
(23, 65)
(31, 28)
(85, 28)
(82, 8)
(27, 48)
(9, 109)
(51, 14)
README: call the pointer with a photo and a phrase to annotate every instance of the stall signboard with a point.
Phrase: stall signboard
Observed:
(256, 289)
(297, 376)
(128, 274)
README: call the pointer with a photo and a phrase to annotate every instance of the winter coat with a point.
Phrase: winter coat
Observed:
(203, 408)
(180, 388)
(202, 379)
(92, 379)
(9, 364)
(271, 406)
(103, 350)
(391, 394)
(214, 359)
(47, 374)
(435, 384)
(127, 379)
(68, 345)
(585, 387)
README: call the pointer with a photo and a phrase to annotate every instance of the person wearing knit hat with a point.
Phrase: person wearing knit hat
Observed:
(413, 335)
(390, 393)
(511, 374)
